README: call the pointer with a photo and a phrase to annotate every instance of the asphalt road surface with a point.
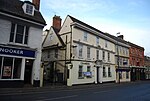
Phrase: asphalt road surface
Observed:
(139, 91)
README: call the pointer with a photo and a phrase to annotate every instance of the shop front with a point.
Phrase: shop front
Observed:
(16, 66)
(123, 74)
(137, 73)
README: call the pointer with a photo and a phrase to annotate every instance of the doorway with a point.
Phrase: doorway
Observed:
(98, 74)
(28, 71)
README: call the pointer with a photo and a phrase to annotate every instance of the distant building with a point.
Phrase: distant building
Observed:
(122, 60)
(136, 62)
(21, 26)
(53, 54)
(84, 54)
(147, 66)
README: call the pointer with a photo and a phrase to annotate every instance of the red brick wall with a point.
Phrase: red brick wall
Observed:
(136, 56)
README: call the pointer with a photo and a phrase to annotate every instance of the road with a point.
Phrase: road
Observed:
(139, 91)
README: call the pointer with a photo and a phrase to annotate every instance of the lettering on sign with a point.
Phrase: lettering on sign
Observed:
(17, 52)
(11, 51)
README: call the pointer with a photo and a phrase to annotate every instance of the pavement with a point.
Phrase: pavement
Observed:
(26, 89)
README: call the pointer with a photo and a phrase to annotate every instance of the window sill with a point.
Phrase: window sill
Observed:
(80, 77)
(80, 57)
(17, 44)
(88, 77)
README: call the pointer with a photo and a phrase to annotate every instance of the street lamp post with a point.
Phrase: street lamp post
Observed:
(118, 58)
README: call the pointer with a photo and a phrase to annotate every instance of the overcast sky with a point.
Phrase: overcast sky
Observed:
(129, 17)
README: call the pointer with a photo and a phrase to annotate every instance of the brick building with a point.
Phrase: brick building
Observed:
(136, 60)
(147, 66)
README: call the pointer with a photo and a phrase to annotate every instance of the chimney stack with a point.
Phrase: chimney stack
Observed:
(37, 4)
(57, 22)
(121, 37)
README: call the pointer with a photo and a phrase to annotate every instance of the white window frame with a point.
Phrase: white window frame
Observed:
(109, 72)
(15, 33)
(97, 54)
(80, 51)
(80, 71)
(29, 9)
(88, 52)
(103, 54)
(85, 36)
(97, 40)
(108, 57)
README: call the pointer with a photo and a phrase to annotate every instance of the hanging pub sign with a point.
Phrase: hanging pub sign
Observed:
(17, 52)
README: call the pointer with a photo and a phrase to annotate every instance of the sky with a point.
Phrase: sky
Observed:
(129, 17)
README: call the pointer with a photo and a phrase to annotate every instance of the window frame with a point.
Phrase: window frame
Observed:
(85, 36)
(104, 71)
(109, 72)
(127, 75)
(108, 57)
(80, 51)
(80, 72)
(12, 69)
(103, 54)
(13, 34)
(88, 52)
(97, 54)
(97, 40)
(29, 9)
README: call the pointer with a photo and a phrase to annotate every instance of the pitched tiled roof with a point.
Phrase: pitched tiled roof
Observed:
(78, 21)
(14, 7)
(107, 34)
(60, 39)
(134, 45)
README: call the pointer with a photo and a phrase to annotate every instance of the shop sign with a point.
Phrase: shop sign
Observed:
(88, 73)
(17, 52)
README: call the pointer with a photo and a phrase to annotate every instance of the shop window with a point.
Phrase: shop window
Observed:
(17, 68)
(10, 68)
(19, 34)
(109, 72)
(104, 72)
(88, 68)
(7, 68)
(80, 72)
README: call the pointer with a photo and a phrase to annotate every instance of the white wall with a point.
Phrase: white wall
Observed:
(5, 27)
(34, 42)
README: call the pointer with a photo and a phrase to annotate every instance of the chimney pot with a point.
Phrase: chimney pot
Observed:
(57, 22)
(36, 3)
(121, 36)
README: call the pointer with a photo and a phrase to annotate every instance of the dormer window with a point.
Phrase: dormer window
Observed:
(29, 9)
